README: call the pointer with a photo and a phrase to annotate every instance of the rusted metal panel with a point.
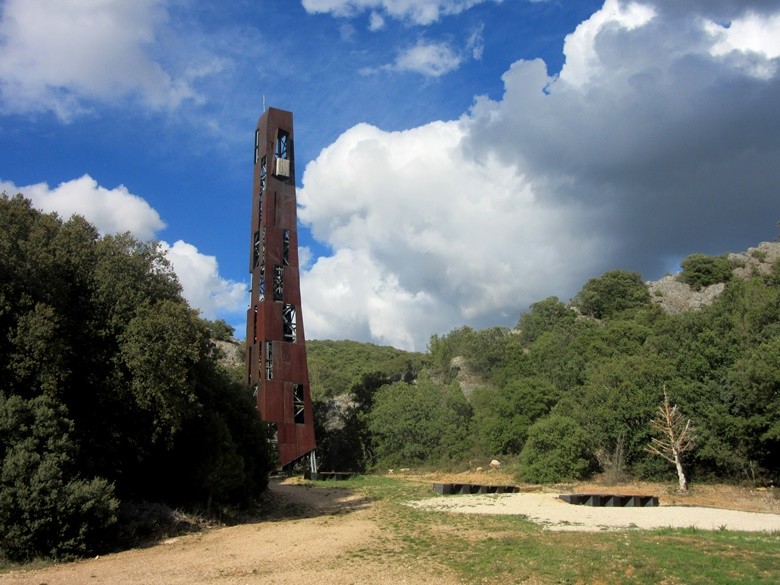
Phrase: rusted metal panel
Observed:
(276, 345)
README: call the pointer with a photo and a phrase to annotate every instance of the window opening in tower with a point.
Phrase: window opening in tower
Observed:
(298, 405)
(288, 323)
(286, 247)
(269, 360)
(278, 284)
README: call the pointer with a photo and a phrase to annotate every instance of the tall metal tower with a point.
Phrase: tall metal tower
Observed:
(275, 343)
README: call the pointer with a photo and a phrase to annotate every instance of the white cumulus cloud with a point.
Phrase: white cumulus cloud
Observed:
(59, 56)
(426, 236)
(429, 59)
(749, 34)
(111, 211)
(422, 12)
(201, 283)
(650, 145)
(582, 59)
(114, 211)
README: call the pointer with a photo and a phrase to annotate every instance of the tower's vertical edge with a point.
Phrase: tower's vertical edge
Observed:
(276, 346)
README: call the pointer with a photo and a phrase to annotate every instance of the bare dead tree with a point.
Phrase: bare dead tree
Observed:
(677, 436)
(613, 462)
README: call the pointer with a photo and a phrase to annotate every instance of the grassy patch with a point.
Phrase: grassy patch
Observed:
(505, 549)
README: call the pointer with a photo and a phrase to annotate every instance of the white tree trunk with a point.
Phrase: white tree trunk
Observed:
(680, 474)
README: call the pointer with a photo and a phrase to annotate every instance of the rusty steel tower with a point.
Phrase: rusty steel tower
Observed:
(277, 370)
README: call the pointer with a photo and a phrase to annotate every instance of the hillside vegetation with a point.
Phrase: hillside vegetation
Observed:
(571, 391)
(110, 393)
(336, 365)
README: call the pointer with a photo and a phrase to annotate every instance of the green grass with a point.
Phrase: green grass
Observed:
(510, 549)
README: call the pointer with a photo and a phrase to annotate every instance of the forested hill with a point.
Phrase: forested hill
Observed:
(573, 388)
(110, 392)
(334, 366)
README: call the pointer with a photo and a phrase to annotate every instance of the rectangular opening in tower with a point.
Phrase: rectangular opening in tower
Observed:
(256, 249)
(288, 323)
(269, 360)
(282, 144)
(286, 247)
(282, 154)
(298, 405)
(278, 283)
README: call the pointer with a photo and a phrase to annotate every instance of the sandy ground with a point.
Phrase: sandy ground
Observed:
(707, 507)
(331, 542)
(555, 514)
(322, 547)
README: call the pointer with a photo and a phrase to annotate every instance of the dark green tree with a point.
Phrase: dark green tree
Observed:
(700, 270)
(219, 329)
(611, 293)
(544, 316)
(423, 422)
(95, 331)
(46, 508)
(617, 403)
(503, 416)
(556, 450)
(752, 411)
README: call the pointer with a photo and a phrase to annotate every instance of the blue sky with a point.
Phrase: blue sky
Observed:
(457, 160)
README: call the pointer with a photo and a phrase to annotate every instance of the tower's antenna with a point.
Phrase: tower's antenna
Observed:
(264, 102)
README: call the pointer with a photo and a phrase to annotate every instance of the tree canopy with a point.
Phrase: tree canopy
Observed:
(597, 378)
(612, 292)
(110, 390)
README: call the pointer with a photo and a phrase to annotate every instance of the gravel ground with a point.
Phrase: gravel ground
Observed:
(555, 514)
(331, 544)
(335, 541)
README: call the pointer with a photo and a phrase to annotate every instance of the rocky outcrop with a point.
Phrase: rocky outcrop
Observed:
(677, 297)
(758, 260)
(231, 353)
(466, 378)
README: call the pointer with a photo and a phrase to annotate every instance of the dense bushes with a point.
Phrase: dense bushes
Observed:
(610, 293)
(335, 366)
(699, 270)
(556, 450)
(109, 389)
(415, 423)
(45, 507)
(566, 392)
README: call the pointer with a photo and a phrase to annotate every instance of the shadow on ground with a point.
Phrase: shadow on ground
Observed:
(292, 498)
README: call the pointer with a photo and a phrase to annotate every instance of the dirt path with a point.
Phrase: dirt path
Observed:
(327, 545)
(335, 539)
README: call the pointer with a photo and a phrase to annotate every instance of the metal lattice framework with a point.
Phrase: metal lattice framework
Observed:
(276, 348)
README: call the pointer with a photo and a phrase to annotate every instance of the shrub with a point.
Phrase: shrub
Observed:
(45, 509)
(611, 293)
(759, 255)
(220, 330)
(419, 423)
(556, 450)
(699, 270)
(543, 316)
